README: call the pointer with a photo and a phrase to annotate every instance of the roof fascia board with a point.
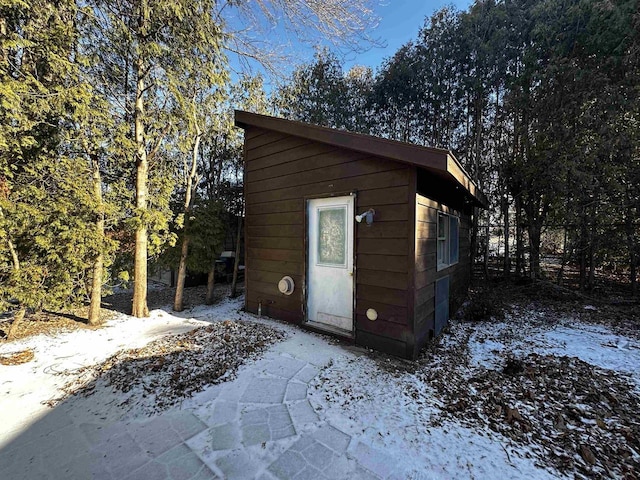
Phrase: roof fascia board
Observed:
(460, 175)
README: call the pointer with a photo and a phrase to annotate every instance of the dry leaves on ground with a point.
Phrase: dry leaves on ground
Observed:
(575, 418)
(159, 296)
(161, 374)
(49, 323)
(16, 358)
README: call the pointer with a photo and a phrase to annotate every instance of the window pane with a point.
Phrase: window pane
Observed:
(442, 252)
(443, 240)
(442, 226)
(454, 222)
(332, 235)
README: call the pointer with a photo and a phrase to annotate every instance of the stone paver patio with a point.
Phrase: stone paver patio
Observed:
(260, 426)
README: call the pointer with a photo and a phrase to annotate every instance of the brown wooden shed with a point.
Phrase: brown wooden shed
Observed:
(354, 235)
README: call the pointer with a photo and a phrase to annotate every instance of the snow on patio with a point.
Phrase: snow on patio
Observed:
(468, 408)
(58, 359)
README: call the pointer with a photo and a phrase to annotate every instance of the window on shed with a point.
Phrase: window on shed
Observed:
(448, 244)
(454, 223)
(443, 240)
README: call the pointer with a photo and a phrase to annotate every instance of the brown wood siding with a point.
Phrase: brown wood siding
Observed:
(426, 273)
(412, 346)
(379, 180)
(437, 162)
(281, 172)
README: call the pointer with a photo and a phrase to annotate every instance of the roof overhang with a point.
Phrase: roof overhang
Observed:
(436, 160)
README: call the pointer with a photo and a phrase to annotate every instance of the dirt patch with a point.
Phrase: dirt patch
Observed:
(166, 371)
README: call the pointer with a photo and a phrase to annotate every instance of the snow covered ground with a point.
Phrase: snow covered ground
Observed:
(26, 388)
(391, 412)
(523, 332)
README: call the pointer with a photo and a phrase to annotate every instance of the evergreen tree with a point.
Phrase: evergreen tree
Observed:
(539, 102)
(48, 209)
(147, 48)
(144, 47)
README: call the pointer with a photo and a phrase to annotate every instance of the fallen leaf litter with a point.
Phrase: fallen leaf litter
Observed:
(17, 358)
(166, 371)
(574, 418)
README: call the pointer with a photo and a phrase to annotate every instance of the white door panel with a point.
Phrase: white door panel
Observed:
(330, 262)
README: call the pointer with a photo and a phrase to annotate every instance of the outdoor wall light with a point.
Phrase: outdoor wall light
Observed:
(367, 216)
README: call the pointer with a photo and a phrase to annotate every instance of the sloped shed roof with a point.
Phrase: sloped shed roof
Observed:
(437, 161)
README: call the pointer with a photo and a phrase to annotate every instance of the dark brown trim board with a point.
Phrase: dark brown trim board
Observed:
(287, 163)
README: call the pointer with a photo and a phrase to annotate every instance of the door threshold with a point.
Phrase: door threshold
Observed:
(324, 328)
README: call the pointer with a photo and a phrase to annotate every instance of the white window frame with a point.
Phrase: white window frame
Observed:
(444, 241)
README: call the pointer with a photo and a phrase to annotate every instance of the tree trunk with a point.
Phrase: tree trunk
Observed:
(19, 315)
(519, 246)
(474, 240)
(236, 263)
(631, 242)
(12, 249)
(564, 258)
(593, 240)
(478, 140)
(592, 260)
(582, 245)
(139, 307)
(14, 255)
(182, 275)
(96, 291)
(17, 320)
(98, 264)
(486, 247)
(534, 231)
(188, 202)
(211, 284)
(507, 258)
(565, 247)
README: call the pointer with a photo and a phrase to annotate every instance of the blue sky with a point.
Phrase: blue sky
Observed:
(400, 21)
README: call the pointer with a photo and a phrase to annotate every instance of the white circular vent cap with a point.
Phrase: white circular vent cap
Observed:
(372, 314)
(286, 285)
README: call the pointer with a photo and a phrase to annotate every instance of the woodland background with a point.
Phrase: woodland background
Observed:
(118, 151)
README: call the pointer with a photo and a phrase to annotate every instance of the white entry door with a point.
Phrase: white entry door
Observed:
(330, 262)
